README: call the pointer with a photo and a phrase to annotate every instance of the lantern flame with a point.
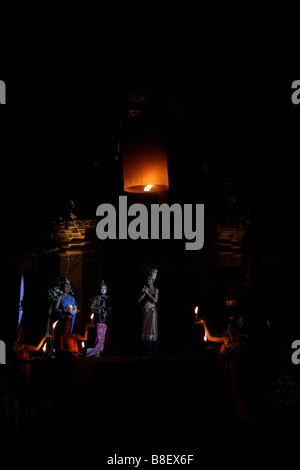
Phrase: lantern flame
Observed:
(196, 313)
(144, 157)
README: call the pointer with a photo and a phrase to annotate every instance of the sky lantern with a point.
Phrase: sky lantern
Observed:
(144, 159)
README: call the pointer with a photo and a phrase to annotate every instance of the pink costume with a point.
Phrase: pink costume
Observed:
(100, 339)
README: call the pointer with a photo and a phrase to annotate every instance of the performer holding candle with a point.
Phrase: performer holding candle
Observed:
(228, 359)
(19, 358)
(100, 306)
(66, 305)
(68, 340)
(149, 297)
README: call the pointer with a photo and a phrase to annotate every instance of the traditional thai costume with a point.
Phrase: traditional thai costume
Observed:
(69, 344)
(101, 310)
(149, 326)
(149, 316)
(69, 300)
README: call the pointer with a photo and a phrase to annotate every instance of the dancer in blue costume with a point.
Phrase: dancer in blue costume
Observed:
(66, 304)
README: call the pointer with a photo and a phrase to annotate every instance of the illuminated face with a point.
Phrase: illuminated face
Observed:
(103, 290)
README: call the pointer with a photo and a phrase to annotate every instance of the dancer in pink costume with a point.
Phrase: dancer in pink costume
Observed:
(100, 307)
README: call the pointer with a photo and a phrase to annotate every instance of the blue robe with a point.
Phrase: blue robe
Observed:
(69, 300)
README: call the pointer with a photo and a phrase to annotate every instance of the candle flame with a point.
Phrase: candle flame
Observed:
(148, 187)
(205, 337)
(83, 344)
(45, 347)
(54, 325)
(92, 316)
(196, 309)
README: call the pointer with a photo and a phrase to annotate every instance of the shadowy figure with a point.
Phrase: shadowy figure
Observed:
(229, 353)
(23, 404)
(19, 359)
(68, 353)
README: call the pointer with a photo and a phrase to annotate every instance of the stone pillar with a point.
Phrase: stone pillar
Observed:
(74, 246)
(71, 267)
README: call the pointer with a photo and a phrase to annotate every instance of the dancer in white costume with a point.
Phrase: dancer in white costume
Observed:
(100, 306)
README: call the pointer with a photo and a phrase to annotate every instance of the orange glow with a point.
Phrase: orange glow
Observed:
(145, 165)
(196, 313)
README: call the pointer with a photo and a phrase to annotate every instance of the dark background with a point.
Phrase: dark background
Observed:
(218, 78)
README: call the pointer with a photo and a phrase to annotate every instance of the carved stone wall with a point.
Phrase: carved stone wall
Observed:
(69, 262)
(76, 252)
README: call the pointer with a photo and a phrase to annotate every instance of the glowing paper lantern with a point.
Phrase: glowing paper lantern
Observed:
(145, 164)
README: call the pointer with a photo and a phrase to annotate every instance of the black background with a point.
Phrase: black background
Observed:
(220, 75)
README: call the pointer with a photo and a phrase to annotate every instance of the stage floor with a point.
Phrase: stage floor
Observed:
(131, 404)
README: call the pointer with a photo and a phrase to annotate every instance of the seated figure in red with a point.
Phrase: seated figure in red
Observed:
(68, 340)
(19, 358)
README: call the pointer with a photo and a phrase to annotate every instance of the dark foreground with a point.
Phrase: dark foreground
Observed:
(131, 405)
